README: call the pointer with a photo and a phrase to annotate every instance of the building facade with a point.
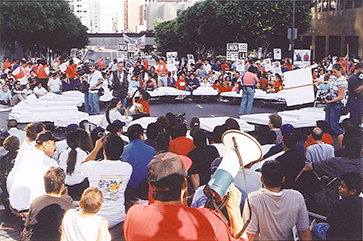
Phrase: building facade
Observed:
(337, 28)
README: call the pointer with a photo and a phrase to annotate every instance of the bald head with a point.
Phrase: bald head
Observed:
(317, 134)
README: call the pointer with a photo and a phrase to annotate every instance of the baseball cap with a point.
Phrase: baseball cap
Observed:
(71, 127)
(165, 166)
(45, 136)
(287, 128)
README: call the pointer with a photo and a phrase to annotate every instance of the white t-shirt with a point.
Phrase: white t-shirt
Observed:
(18, 133)
(40, 91)
(111, 177)
(93, 79)
(24, 80)
(54, 85)
(80, 228)
(61, 146)
(76, 177)
(114, 114)
(28, 182)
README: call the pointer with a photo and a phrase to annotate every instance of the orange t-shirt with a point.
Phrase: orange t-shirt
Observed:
(180, 84)
(71, 71)
(181, 145)
(310, 141)
(145, 105)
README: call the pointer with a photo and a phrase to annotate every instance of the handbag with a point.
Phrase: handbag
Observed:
(85, 87)
(101, 91)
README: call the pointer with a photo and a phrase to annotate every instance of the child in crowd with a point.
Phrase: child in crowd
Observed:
(86, 224)
(345, 217)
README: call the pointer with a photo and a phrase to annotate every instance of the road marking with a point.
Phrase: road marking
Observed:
(200, 106)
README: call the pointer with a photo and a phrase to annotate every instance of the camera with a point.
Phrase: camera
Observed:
(83, 69)
(179, 118)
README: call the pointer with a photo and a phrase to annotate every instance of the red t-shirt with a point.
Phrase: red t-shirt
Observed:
(180, 84)
(181, 145)
(327, 139)
(71, 71)
(174, 222)
(145, 104)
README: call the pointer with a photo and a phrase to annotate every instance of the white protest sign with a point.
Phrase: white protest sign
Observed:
(298, 87)
(240, 67)
(236, 51)
(302, 57)
(190, 59)
(171, 57)
(131, 48)
(277, 54)
(242, 51)
(122, 52)
(276, 67)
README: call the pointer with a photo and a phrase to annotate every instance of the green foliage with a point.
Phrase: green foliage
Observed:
(211, 24)
(41, 23)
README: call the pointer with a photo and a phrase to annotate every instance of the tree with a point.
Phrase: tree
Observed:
(39, 24)
(212, 24)
(157, 21)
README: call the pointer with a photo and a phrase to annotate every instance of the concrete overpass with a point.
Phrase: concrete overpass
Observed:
(110, 40)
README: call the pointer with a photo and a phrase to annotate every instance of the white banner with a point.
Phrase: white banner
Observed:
(298, 87)
(236, 51)
(139, 42)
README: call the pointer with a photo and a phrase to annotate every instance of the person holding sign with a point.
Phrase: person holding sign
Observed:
(249, 80)
(334, 98)
(162, 72)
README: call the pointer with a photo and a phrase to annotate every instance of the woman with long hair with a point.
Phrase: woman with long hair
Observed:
(112, 113)
(70, 161)
(334, 99)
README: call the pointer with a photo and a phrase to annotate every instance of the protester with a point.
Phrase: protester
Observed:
(54, 84)
(5, 96)
(355, 93)
(39, 90)
(112, 113)
(94, 79)
(181, 145)
(46, 212)
(120, 84)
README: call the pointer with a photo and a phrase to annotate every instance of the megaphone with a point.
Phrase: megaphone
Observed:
(241, 149)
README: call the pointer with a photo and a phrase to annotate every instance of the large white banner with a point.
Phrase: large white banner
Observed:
(298, 87)
(236, 51)
(139, 42)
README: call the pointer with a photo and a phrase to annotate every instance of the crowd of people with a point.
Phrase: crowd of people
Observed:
(151, 185)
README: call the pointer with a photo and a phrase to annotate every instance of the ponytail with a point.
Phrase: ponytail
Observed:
(110, 106)
(72, 142)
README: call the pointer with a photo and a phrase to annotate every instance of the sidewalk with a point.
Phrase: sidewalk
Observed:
(10, 227)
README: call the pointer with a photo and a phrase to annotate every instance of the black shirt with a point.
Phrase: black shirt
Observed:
(292, 162)
(45, 218)
(202, 158)
(353, 83)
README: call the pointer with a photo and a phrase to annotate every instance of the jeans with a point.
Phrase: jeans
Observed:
(94, 100)
(332, 116)
(247, 100)
(86, 103)
(320, 230)
(123, 105)
(162, 81)
(355, 107)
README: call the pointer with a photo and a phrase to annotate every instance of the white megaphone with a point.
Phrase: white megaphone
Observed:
(241, 149)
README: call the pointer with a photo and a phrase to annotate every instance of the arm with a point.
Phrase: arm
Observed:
(97, 84)
(93, 154)
(307, 168)
(233, 209)
(341, 91)
(359, 89)
(195, 181)
(102, 230)
(305, 235)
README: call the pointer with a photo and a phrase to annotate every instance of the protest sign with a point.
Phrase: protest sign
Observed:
(302, 57)
(171, 57)
(298, 87)
(139, 42)
(277, 54)
(122, 52)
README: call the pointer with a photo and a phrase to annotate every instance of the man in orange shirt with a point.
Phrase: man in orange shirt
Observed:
(181, 145)
(43, 73)
(6, 64)
(162, 72)
(71, 72)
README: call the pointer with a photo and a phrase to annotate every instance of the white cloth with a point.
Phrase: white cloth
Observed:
(76, 227)
(54, 85)
(114, 114)
(111, 177)
(40, 91)
(28, 182)
(275, 214)
(18, 133)
(76, 177)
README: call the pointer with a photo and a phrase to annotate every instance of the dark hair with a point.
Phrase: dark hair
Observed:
(54, 179)
(353, 148)
(270, 137)
(323, 125)
(162, 120)
(162, 141)
(111, 105)
(181, 130)
(12, 123)
(134, 132)
(114, 128)
(200, 139)
(218, 132)
(153, 129)
(173, 184)
(194, 125)
(317, 134)
(275, 120)
(290, 140)
(113, 146)
(50, 127)
(232, 124)
(91, 200)
(346, 123)
(353, 181)
(11, 143)
(33, 129)
(352, 133)
(73, 143)
(252, 69)
(85, 140)
(272, 173)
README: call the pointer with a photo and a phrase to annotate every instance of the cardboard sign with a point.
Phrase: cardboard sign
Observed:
(236, 51)
(171, 57)
(190, 59)
(298, 87)
(302, 57)
(277, 54)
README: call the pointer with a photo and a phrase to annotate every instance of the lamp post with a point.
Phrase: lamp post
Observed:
(293, 32)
